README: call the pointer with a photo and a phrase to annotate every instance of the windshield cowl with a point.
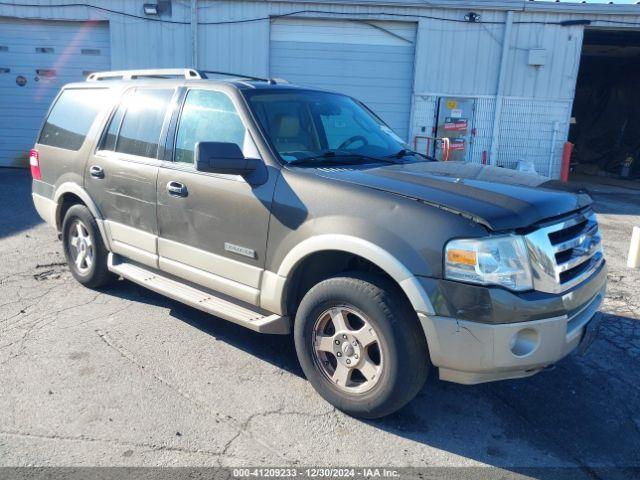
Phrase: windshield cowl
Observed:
(340, 158)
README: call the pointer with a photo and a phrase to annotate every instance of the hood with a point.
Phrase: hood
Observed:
(499, 198)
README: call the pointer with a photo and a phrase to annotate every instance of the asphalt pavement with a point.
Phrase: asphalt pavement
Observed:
(123, 376)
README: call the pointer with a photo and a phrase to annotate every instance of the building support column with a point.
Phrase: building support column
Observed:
(493, 152)
(194, 33)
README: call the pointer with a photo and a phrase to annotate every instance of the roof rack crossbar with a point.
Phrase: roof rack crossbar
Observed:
(234, 75)
(187, 73)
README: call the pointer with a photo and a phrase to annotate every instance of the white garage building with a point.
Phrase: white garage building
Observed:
(499, 76)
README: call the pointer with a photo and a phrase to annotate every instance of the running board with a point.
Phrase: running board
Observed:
(200, 299)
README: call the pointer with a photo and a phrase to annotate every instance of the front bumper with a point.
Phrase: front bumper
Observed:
(471, 352)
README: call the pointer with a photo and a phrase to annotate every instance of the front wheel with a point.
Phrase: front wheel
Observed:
(360, 345)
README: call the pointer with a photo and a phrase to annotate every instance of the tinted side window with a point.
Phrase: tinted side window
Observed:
(109, 141)
(143, 117)
(209, 116)
(71, 117)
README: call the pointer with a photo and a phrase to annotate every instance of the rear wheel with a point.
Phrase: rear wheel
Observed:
(84, 248)
(360, 345)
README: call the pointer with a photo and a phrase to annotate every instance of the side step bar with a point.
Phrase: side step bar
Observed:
(200, 299)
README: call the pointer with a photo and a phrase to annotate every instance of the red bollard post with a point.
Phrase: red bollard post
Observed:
(566, 160)
(484, 157)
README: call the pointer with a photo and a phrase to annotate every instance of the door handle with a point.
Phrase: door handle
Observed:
(176, 189)
(96, 172)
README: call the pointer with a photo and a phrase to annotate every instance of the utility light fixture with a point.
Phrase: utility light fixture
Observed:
(150, 8)
(472, 17)
(161, 7)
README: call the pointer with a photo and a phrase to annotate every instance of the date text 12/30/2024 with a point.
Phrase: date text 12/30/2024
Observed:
(315, 473)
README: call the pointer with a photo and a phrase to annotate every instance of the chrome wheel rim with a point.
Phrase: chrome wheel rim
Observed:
(81, 247)
(346, 349)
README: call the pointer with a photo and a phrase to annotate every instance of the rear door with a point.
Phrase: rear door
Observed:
(121, 176)
(214, 232)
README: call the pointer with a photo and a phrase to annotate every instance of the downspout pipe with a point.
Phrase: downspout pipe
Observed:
(552, 151)
(493, 152)
(194, 33)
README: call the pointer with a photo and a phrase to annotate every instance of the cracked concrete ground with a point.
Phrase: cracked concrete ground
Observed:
(123, 376)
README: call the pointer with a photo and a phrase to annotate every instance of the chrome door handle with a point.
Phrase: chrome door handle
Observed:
(176, 189)
(96, 172)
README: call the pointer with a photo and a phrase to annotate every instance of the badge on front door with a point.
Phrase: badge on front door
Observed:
(245, 252)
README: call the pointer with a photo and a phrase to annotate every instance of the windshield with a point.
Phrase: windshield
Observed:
(305, 125)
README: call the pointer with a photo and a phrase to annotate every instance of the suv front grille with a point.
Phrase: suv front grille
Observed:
(565, 253)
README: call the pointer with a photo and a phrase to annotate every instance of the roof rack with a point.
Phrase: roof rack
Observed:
(187, 73)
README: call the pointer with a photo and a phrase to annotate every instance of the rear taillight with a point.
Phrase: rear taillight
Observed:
(34, 163)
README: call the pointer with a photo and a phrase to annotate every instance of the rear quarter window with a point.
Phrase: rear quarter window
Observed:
(71, 118)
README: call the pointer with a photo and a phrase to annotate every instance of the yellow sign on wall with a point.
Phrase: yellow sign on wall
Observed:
(451, 104)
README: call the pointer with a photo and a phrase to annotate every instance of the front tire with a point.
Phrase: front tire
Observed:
(84, 248)
(360, 344)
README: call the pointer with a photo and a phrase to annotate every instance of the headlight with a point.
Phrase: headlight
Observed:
(501, 260)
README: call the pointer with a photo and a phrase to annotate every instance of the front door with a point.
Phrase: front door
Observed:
(213, 227)
(121, 176)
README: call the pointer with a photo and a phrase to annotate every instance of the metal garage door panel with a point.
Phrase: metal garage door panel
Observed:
(371, 61)
(34, 50)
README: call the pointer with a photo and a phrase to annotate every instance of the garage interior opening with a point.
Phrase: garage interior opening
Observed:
(605, 125)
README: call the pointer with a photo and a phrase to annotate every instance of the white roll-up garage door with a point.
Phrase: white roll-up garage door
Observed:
(369, 60)
(36, 59)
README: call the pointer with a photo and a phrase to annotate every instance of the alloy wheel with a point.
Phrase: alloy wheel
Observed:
(81, 247)
(347, 350)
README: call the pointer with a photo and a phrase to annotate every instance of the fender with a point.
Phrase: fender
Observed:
(274, 284)
(71, 187)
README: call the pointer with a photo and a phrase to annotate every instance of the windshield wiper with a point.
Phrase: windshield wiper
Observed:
(333, 157)
(405, 152)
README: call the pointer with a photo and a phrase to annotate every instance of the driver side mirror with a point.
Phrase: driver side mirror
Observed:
(223, 157)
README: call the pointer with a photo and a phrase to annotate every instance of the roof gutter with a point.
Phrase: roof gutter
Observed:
(565, 7)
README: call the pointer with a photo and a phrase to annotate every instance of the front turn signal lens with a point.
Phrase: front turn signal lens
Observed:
(465, 257)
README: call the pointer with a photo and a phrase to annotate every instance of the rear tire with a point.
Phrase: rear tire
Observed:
(84, 248)
(360, 344)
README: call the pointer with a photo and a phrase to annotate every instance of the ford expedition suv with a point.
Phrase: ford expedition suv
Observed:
(291, 210)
